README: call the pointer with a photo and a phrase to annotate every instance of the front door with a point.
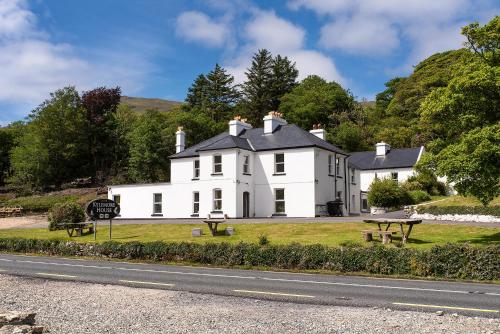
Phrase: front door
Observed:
(246, 204)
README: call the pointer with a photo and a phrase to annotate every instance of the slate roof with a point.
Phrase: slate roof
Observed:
(284, 137)
(395, 158)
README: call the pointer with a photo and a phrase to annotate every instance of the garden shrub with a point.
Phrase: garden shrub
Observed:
(458, 260)
(386, 193)
(460, 210)
(419, 196)
(62, 214)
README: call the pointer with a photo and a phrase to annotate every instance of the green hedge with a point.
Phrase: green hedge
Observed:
(460, 210)
(447, 261)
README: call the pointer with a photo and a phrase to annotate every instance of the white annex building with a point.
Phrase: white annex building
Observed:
(384, 162)
(277, 170)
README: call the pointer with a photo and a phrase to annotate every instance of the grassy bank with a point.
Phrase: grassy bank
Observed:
(462, 201)
(331, 234)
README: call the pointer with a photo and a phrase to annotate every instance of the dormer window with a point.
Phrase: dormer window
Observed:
(217, 162)
(246, 164)
(196, 169)
(279, 163)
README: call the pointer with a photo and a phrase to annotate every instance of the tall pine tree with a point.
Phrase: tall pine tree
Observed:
(284, 78)
(213, 94)
(257, 90)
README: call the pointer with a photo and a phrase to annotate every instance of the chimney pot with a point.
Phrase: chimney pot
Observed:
(180, 140)
(237, 125)
(272, 121)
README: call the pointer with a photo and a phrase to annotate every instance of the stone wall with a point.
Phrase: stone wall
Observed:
(12, 322)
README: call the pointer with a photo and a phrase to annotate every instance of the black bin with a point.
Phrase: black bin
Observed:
(335, 207)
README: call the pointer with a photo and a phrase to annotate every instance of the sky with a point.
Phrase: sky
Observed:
(156, 48)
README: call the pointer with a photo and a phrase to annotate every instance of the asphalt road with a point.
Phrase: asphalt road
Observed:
(472, 299)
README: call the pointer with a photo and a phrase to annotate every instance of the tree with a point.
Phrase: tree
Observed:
(472, 164)
(100, 105)
(315, 101)
(349, 136)
(284, 79)
(198, 92)
(484, 41)
(471, 99)
(6, 145)
(125, 119)
(150, 148)
(52, 150)
(257, 90)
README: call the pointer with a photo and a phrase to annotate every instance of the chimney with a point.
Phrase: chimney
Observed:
(180, 140)
(272, 121)
(237, 125)
(382, 149)
(318, 131)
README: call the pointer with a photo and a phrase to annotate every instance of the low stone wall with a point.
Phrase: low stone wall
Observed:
(12, 322)
(462, 218)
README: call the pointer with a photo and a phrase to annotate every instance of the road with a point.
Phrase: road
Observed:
(472, 299)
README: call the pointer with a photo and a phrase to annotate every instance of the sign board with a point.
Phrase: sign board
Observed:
(102, 209)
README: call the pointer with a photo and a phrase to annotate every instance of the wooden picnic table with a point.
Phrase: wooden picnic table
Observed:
(213, 224)
(400, 222)
(71, 228)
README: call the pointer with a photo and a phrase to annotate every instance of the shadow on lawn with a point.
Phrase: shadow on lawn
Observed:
(485, 239)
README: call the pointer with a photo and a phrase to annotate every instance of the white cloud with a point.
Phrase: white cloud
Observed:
(368, 27)
(199, 27)
(361, 35)
(32, 66)
(269, 31)
(266, 30)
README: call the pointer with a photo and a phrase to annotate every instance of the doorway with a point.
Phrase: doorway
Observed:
(246, 204)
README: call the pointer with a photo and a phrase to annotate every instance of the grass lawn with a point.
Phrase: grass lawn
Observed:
(462, 201)
(333, 234)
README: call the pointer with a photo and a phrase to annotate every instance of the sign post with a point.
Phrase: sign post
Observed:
(102, 209)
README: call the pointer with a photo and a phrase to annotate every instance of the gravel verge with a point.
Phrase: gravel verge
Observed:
(68, 307)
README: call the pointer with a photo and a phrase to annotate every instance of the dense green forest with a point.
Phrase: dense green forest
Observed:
(449, 103)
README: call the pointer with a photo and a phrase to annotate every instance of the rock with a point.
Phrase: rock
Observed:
(440, 313)
(16, 318)
(454, 315)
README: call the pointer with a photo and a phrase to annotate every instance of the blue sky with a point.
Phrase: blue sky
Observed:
(155, 48)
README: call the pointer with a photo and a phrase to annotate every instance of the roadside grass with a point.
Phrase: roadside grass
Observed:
(423, 236)
(461, 201)
(43, 203)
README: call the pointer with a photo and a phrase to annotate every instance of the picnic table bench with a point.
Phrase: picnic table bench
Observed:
(213, 222)
(78, 228)
(390, 221)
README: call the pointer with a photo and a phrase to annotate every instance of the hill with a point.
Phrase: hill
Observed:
(140, 104)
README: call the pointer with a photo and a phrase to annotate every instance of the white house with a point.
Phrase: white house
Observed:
(384, 162)
(277, 170)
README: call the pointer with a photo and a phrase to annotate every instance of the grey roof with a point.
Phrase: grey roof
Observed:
(284, 137)
(395, 158)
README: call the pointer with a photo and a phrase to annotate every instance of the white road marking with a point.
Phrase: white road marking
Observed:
(150, 283)
(6, 260)
(448, 307)
(56, 275)
(252, 277)
(273, 293)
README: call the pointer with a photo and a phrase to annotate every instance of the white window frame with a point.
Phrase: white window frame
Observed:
(196, 203)
(196, 170)
(330, 164)
(217, 201)
(214, 164)
(394, 174)
(337, 166)
(353, 176)
(246, 164)
(282, 200)
(155, 203)
(279, 163)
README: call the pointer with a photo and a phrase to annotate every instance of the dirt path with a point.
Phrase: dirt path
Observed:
(38, 221)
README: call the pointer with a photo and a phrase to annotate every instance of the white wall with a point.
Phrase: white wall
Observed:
(367, 176)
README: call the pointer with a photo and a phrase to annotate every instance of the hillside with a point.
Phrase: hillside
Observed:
(142, 104)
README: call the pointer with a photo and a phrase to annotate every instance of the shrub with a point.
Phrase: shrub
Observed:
(446, 261)
(427, 181)
(460, 210)
(419, 196)
(65, 213)
(386, 193)
(263, 240)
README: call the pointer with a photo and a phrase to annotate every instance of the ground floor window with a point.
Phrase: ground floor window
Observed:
(117, 199)
(279, 200)
(217, 199)
(339, 194)
(196, 202)
(394, 176)
(353, 202)
(364, 204)
(157, 203)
